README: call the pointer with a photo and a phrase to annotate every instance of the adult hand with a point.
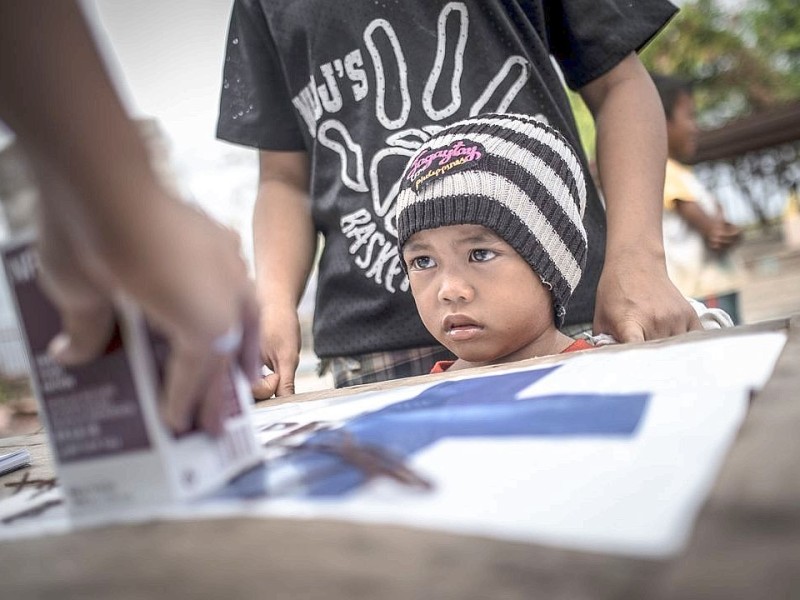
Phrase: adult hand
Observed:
(70, 278)
(280, 351)
(636, 301)
(203, 299)
(185, 271)
(109, 226)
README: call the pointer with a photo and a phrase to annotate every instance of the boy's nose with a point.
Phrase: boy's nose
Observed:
(455, 288)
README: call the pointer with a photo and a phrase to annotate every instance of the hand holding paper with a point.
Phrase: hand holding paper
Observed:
(108, 225)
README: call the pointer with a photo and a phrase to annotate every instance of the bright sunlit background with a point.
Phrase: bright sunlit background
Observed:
(166, 59)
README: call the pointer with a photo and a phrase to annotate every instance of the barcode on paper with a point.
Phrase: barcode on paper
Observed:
(238, 442)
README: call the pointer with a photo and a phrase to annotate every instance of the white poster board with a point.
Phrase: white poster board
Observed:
(606, 451)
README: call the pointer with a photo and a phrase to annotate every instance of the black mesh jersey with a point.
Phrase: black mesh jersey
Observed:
(360, 84)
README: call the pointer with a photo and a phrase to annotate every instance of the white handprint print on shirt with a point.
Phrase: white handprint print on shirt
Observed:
(372, 233)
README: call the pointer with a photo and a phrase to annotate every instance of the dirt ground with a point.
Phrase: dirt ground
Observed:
(771, 291)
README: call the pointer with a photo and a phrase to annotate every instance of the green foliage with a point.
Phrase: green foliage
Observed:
(741, 61)
(776, 27)
(585, 122)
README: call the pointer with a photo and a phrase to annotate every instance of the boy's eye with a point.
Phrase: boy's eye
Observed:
(481, 255)
(420, 263)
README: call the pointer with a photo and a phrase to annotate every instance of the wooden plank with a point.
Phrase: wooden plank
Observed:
(745, 545)
(306, 559)
(778, 324)
(767, 129)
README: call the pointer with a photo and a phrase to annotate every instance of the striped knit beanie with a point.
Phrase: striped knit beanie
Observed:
(510, 173)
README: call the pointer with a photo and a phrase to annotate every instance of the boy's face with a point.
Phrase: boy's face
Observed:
(476, 295)
(682, 129)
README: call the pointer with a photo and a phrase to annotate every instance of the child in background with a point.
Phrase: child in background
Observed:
(697, 238)
(791, 218)
(489, 221)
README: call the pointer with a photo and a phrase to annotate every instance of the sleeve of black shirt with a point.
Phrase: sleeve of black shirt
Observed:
(590, 37)
(255, 105)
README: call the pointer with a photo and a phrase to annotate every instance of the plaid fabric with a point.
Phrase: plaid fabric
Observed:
(396, 364)
(383, 366)
(577, 330)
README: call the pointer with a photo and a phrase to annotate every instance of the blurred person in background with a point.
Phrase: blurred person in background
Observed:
(698, 240)
(791, 218)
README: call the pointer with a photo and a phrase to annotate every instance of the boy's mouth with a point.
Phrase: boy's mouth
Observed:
(460, 327)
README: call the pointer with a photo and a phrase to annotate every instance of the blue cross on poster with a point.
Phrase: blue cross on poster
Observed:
(483, 407)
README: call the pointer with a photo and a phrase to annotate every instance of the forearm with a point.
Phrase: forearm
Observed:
(717, 233)
(696, 217)
(283, 231)
(61, 62)
(631, 157)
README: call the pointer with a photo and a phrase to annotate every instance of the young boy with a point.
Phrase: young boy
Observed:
(697, 238)
(489, 222)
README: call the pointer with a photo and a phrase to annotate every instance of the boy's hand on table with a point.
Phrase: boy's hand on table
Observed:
(636, 301)
(265, 386)
(280, 351)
